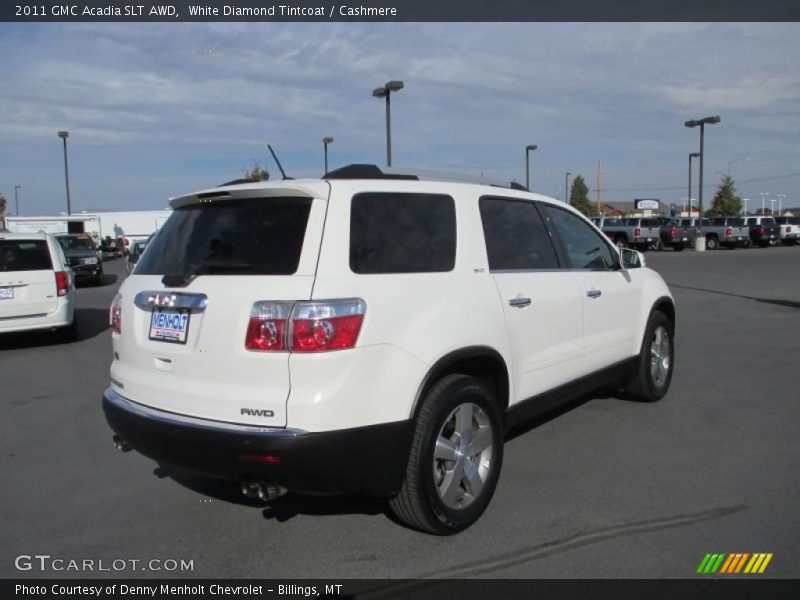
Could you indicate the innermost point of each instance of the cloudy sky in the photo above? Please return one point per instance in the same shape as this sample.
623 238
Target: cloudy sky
156 110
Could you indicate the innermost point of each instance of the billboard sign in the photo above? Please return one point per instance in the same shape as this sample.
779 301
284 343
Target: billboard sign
647 204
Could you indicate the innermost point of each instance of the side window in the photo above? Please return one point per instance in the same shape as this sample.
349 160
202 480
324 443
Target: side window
402 233
585 248
516 237
751 221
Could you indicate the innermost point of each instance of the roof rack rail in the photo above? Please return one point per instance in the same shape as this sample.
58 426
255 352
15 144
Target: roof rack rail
365 171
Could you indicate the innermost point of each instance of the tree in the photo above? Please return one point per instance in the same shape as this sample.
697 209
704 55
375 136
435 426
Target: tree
255 172
579 197
725 203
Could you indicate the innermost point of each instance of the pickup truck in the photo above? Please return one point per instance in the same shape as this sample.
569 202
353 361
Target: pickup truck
638 232
724 232
677 233
763 231
790 229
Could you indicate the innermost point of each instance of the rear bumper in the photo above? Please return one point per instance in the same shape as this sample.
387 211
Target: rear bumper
61 317
364 460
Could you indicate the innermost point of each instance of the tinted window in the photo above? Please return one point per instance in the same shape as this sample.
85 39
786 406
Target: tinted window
402 233
649 222
718 221
735 221
516 237
585 248
77 242
24 255
259 236
751 221
768 221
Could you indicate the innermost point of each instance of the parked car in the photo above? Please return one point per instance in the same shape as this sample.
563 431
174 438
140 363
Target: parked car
677 233
725 232
763 231
134 253
373 333
633 232
83 256
789 229
37 287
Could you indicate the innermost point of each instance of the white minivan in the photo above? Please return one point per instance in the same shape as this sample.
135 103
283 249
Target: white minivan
37 288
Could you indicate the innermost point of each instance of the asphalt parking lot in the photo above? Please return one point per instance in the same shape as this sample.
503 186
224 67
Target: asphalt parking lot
606 488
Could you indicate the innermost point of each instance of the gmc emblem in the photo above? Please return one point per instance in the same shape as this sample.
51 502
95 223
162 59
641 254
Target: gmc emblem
257 412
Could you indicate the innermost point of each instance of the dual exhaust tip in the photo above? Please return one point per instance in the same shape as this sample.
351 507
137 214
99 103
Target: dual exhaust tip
121 444
263 490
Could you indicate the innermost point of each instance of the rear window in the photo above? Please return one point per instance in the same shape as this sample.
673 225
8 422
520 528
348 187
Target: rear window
768 221
735 221
24 255
254 236
402 233
650 223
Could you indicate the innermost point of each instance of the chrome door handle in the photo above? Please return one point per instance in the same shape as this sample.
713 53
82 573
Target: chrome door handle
519 302
594 293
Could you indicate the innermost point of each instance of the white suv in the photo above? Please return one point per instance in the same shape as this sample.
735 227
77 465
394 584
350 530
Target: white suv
373 333
37 288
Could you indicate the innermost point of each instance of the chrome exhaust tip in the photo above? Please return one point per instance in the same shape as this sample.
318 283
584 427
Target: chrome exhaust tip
263 490
121 444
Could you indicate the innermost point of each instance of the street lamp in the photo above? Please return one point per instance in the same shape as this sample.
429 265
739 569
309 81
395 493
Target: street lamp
691 156
386 92
325 142
772 206
745 200
528 150
16 197
763 195
64 135
780 202
701 243
566 187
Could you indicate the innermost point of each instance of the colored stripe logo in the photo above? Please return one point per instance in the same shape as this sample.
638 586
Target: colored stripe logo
734 563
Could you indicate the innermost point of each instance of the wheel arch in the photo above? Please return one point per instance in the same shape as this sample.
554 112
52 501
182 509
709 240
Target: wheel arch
482 362
666 305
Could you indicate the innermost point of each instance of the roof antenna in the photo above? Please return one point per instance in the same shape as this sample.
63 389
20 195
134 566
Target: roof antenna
283 173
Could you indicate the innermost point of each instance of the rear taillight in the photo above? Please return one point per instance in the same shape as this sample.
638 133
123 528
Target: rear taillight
673 232
126 241
637 232
62 283
729 231
305 326
762 230
115 314
266 330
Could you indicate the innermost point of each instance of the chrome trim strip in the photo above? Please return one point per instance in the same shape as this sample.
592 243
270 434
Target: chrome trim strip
196 422
167 299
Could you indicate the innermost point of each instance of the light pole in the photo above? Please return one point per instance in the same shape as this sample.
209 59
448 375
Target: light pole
701 238
772 206
763 195
386 92
16 197
566 187
528 150
691 156
745 200
325 142
780 202
64 135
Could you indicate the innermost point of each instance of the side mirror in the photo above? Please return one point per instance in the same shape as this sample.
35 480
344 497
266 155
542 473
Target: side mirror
631 259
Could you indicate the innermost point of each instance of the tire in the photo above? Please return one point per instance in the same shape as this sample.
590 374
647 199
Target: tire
678 247
712 243
426 502
653 375
100 278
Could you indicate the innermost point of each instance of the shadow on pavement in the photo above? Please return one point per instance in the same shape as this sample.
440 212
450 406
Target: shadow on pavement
91 323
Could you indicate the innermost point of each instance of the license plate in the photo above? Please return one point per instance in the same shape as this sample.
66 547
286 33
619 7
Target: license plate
649 239
684 239
6 293
169 325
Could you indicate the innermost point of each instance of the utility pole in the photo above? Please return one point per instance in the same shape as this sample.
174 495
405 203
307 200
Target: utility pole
599 185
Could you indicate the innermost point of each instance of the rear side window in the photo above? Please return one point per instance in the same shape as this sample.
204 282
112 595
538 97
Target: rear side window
516 236
254 236
402 233
25 255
